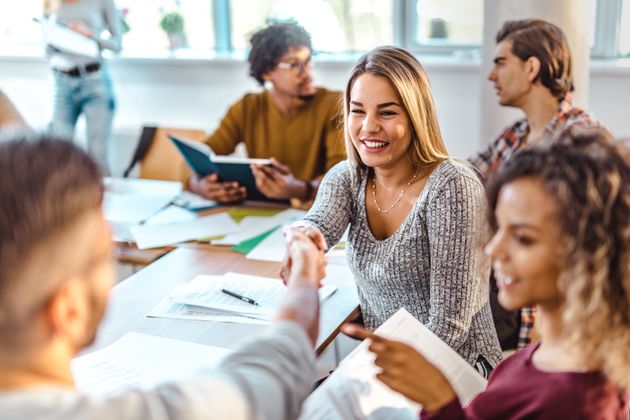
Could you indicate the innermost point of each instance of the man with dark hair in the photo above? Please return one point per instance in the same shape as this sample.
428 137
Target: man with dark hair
532 72
292 121
55 276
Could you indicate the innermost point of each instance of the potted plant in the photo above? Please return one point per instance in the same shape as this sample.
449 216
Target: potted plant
173 24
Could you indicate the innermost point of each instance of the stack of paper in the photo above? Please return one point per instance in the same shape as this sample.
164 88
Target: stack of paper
274 248
203 298
141 211
153 236
353 392
141 361
252 226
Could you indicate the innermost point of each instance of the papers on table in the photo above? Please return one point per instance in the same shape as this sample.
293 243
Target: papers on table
141 361
252 226
67 40
202 298
153 236
353 392
193 201
129 201
274 248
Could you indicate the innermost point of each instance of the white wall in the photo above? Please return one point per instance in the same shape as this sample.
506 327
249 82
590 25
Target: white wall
196 94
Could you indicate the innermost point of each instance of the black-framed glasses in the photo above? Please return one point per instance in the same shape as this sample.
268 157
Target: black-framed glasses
297 67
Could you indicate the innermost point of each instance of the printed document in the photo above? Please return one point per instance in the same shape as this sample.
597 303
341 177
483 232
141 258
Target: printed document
205 291
353 392
142 361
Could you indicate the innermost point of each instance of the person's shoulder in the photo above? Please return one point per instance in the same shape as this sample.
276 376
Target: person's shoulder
454 170
328 98
582 118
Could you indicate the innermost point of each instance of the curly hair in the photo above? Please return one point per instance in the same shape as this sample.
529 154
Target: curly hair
271 43
546 42
589 178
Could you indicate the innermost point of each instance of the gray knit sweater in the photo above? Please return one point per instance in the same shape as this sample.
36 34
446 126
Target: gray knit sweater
433 265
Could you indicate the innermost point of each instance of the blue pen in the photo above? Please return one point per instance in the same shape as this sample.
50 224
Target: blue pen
240 297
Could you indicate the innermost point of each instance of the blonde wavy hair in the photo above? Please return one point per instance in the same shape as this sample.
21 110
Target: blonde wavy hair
589 178
410 81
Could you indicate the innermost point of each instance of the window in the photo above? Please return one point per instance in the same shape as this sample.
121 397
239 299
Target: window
450 24
189 22
423 26
334 25
624 29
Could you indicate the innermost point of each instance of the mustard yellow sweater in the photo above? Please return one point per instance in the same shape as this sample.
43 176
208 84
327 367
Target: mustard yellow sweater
309 142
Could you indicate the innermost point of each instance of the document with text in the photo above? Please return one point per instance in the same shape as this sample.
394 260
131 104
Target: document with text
353 392
208 291
142 361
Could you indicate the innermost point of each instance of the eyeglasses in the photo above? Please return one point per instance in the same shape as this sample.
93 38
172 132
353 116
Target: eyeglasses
296 67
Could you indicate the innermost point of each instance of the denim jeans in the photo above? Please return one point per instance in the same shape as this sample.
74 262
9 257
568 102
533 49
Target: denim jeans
90 94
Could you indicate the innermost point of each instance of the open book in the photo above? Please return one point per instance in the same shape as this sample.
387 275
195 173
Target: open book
353 392
203 161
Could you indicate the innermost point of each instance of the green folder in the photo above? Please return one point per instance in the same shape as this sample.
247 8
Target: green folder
246 247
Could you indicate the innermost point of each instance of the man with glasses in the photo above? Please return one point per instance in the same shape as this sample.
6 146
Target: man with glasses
291 121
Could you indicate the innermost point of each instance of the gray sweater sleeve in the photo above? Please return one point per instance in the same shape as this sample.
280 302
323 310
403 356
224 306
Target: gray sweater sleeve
333 207
459 268
113 23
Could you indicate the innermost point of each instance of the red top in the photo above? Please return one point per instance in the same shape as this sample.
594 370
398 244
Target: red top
517 389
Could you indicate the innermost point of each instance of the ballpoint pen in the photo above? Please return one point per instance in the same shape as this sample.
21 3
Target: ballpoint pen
240 297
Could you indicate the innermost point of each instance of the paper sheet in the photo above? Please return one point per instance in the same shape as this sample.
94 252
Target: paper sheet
193 201
130 209
142 361
154 236
272 248
205 291
143 187
168 308
253 226
129 201
170 214
353 392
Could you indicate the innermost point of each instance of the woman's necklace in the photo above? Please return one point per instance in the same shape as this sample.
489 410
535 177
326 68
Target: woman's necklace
380 210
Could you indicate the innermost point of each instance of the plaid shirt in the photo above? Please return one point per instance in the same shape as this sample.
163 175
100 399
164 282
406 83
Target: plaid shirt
513 137
502 147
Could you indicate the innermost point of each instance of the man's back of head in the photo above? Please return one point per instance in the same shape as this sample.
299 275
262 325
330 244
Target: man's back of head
52 234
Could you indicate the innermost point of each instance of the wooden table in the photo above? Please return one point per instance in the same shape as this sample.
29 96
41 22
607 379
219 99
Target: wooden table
133 298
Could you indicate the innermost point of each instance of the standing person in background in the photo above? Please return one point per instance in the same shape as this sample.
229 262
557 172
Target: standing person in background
83 84
532 72
293 121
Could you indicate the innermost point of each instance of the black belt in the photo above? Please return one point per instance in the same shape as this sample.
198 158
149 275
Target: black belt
79 70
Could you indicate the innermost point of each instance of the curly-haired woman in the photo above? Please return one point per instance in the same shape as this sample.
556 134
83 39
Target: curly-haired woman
562 244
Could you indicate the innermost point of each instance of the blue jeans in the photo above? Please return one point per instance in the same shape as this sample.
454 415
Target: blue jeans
90 94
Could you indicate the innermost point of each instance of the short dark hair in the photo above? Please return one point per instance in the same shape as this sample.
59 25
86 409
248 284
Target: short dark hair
46 185
545 41
271 43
